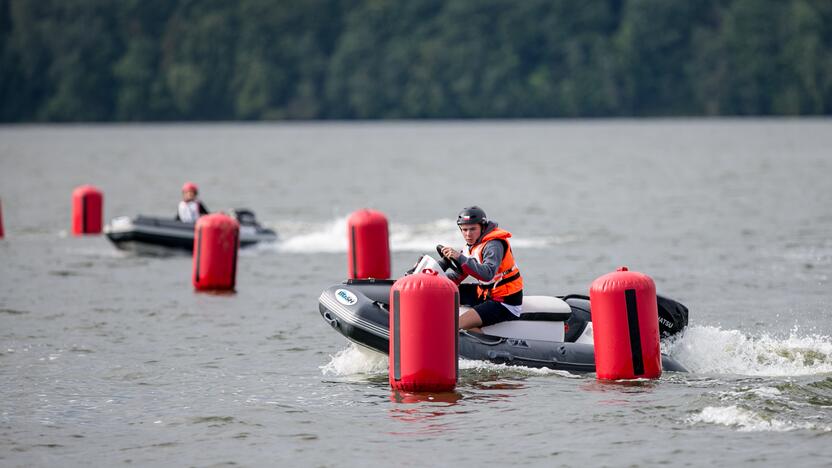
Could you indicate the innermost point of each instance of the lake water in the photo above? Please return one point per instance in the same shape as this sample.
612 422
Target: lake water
108 358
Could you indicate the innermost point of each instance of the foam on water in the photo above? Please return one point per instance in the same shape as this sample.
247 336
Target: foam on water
746 420
702 349
355 360
358 360
331 237
707 349
480 366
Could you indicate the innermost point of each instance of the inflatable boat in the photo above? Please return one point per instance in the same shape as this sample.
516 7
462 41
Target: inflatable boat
553 331
160 236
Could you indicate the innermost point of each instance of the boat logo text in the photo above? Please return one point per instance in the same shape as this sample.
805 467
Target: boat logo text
345 297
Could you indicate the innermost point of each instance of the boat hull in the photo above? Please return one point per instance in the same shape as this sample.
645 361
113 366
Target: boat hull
366 320
153 235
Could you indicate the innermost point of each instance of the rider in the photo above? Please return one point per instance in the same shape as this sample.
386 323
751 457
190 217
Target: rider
190 209
498 296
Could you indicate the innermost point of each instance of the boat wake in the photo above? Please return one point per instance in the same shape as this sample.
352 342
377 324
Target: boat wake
701 349
745 383
712 350
358 361
748 420
331 237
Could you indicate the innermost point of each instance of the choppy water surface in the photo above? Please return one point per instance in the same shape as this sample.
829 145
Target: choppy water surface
109 359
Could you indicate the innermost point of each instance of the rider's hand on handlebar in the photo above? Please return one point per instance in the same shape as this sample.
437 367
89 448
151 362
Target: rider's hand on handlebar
450 253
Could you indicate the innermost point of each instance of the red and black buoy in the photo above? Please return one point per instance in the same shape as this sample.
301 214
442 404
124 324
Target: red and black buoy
625 324
216 241
87 210
424 323
368 247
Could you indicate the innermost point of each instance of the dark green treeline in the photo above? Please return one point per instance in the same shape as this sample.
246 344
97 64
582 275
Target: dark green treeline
128 60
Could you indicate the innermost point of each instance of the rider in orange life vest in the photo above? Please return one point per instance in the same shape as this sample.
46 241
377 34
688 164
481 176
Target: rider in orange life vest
190 209
498 295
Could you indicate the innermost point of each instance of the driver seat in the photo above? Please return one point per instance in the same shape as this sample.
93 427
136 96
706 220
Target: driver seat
543 318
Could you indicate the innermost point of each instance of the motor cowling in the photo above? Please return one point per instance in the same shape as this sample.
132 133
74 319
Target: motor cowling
625 325
216 241
87 210
368 247
424 324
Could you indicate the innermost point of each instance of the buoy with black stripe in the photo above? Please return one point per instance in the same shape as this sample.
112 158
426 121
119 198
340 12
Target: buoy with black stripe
625 326
216 241
424 323
87 210
368 246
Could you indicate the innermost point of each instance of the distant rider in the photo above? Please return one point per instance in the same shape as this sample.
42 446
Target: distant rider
498 296
190 209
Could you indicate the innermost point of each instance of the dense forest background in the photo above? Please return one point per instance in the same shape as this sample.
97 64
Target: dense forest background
140 60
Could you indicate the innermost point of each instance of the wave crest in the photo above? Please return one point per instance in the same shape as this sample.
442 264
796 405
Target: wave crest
708 349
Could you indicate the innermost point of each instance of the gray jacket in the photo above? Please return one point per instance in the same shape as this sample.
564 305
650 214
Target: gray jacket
492 255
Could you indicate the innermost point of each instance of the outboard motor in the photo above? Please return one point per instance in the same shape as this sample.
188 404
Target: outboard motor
249 225
244 216
673 316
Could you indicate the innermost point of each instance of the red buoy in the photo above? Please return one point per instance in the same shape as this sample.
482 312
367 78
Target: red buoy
424 331
87 210
1 220
625 324
368 249
216 240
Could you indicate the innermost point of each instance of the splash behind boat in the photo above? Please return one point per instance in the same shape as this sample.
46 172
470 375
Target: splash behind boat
553 331
163 236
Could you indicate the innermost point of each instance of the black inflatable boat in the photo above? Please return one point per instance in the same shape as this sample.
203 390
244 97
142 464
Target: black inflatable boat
553 332
155 235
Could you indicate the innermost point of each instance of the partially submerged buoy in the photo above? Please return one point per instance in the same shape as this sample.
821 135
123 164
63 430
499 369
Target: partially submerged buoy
368 246
216 241
424 323
625 323
87 210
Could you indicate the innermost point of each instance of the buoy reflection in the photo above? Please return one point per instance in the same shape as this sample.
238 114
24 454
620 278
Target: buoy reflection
425 410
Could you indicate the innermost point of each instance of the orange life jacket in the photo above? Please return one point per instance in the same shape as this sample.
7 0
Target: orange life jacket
507 280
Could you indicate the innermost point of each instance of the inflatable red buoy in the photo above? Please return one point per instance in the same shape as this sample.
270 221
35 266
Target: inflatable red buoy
87 210
625 324
216 240
368 249
424 323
